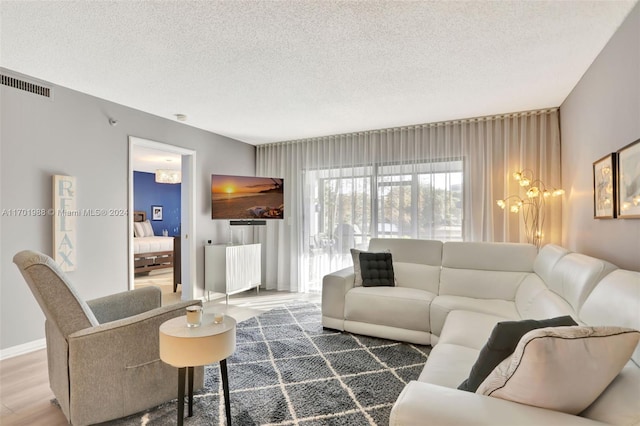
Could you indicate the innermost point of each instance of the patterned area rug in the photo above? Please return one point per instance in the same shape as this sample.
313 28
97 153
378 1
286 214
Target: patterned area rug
288 370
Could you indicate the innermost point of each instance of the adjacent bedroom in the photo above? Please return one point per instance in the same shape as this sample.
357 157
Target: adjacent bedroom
156 217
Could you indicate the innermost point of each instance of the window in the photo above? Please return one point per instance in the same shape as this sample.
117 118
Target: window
422 200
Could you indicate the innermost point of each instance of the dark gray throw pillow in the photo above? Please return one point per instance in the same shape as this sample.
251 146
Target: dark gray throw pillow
376 269
502 342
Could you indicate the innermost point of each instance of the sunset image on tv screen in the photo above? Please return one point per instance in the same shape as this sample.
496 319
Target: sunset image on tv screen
246 197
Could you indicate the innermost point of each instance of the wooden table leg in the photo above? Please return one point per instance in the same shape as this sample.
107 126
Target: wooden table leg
190 391
181 377
225 388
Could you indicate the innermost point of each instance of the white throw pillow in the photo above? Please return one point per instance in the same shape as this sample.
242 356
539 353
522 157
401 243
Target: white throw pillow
355 255
148 229
562 368
138 229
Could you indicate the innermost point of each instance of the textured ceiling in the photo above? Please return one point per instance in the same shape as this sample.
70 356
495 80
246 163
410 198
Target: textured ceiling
149 160
265 71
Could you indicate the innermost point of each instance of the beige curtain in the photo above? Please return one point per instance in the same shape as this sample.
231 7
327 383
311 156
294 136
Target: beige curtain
433 181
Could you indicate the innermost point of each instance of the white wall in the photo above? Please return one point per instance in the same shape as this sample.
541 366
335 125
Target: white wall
600 116
71 135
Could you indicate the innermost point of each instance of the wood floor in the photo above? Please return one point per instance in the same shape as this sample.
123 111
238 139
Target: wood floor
25 396
162 278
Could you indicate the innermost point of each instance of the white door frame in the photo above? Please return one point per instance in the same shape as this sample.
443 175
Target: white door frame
188 211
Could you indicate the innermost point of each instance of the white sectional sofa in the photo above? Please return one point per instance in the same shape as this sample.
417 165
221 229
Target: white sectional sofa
452 294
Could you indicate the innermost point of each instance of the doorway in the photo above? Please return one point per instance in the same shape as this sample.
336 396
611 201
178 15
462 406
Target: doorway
171 221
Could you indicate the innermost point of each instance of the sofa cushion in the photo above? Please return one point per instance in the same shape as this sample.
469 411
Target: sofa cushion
414 275
615 301
376 269
562 368
534 300
481 284
546 260
416 263
485 270
442 305
429 404
575 275
448 365
501 343
468 328
508 257
421 252
389 306
619 404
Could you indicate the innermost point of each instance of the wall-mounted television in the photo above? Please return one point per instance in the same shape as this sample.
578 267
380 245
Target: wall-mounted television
246 197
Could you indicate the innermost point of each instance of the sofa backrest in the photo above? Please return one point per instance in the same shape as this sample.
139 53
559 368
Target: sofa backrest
574 276
485 270
416 263
546 260
534 300
615 301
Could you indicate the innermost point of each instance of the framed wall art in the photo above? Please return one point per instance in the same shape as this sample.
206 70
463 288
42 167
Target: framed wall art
156 212
629 181
604 187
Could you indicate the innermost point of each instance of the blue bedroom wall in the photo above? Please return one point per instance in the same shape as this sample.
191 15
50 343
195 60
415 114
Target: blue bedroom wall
147 193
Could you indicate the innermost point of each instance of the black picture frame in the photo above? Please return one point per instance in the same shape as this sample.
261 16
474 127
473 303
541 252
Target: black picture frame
156 212
629 181
604 187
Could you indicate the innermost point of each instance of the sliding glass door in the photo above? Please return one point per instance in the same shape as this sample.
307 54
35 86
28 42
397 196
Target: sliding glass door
349 206
338 219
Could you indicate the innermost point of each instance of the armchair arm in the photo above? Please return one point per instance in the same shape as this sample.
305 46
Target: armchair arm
143 320
439 405
334 289
125 304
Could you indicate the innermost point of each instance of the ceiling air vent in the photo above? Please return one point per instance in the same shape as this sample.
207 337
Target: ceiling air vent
25 85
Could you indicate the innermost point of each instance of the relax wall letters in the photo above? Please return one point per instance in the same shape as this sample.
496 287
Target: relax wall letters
64 222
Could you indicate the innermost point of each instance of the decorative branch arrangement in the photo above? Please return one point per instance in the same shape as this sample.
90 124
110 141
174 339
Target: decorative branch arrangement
531 205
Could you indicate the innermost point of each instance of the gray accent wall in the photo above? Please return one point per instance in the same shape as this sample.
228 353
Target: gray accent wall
70 135
600 116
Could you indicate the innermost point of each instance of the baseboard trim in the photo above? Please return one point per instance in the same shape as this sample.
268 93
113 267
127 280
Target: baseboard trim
23 349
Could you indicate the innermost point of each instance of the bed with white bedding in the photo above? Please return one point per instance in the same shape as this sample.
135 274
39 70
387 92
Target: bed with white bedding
152 244
152 252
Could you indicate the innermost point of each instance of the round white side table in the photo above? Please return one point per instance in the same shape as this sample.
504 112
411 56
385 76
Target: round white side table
187 347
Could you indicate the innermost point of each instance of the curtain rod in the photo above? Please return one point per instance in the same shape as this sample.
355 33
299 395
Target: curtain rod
422 126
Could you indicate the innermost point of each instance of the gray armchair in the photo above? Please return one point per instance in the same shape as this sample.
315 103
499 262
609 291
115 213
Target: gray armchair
103 354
